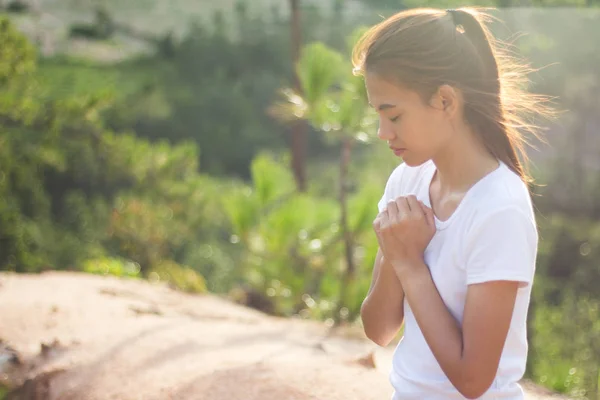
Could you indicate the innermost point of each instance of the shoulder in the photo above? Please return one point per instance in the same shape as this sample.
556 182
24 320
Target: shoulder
502 201
503 189
501 240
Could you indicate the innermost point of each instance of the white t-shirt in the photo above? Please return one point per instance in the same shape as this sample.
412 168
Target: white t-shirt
491 235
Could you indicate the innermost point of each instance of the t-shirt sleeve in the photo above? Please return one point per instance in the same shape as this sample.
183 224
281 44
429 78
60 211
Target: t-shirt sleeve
503 246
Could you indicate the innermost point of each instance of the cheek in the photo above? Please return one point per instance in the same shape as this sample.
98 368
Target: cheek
431 125
416 128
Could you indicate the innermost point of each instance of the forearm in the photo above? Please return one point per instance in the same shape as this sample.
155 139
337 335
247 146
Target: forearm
382 311
442 332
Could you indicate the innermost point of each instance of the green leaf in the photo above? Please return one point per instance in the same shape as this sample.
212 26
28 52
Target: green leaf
319 70
271 179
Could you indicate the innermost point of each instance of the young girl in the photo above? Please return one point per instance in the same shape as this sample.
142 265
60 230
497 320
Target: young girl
456 228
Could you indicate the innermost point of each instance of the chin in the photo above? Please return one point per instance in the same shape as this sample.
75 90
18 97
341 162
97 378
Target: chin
414 162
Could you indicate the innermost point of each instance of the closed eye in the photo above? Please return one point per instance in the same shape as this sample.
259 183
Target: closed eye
395 118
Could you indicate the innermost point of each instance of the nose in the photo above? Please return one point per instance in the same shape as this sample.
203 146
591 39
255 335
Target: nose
385 130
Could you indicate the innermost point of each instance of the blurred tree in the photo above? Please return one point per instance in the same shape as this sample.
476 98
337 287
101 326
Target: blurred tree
334 101
572 74
213 90
564 351
217 83
62 175
16 6
23 151
101 29
287 238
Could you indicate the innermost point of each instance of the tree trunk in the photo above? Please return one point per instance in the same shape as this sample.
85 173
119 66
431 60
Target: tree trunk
299 128
350 271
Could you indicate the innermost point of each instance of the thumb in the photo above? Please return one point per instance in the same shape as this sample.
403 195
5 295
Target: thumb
428 214
377 224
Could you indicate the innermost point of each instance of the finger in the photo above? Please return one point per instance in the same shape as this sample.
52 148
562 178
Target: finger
415 206
392 211
403 208
428 214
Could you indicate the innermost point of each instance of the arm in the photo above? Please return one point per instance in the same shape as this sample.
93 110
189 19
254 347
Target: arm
469 354
382 311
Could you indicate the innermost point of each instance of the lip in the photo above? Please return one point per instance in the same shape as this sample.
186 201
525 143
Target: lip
398 151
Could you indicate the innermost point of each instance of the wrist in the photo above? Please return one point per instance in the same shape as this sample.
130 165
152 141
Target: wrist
388 275
410 270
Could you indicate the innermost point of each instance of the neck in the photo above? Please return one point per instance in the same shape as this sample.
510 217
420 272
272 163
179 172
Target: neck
463 162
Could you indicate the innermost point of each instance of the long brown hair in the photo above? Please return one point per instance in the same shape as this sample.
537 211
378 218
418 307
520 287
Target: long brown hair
425 48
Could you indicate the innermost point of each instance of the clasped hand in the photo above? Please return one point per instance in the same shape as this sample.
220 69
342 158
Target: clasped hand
404 229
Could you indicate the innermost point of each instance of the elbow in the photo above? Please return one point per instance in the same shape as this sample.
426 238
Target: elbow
377 338
474 388
374 332
472 394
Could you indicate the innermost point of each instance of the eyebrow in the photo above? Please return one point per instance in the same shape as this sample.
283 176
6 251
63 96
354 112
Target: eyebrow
384 106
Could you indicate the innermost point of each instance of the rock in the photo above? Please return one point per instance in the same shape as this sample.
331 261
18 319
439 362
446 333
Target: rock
8 357
37 388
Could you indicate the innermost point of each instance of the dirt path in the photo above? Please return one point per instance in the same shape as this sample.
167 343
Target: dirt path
84 337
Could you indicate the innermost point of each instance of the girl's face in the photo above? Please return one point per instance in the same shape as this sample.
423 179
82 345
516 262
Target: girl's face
413 130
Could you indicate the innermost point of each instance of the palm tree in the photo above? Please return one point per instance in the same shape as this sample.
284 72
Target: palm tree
334 101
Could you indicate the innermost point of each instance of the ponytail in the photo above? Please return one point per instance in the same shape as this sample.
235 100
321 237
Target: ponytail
490 121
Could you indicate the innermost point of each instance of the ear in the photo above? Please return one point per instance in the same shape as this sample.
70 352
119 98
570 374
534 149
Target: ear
446 99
